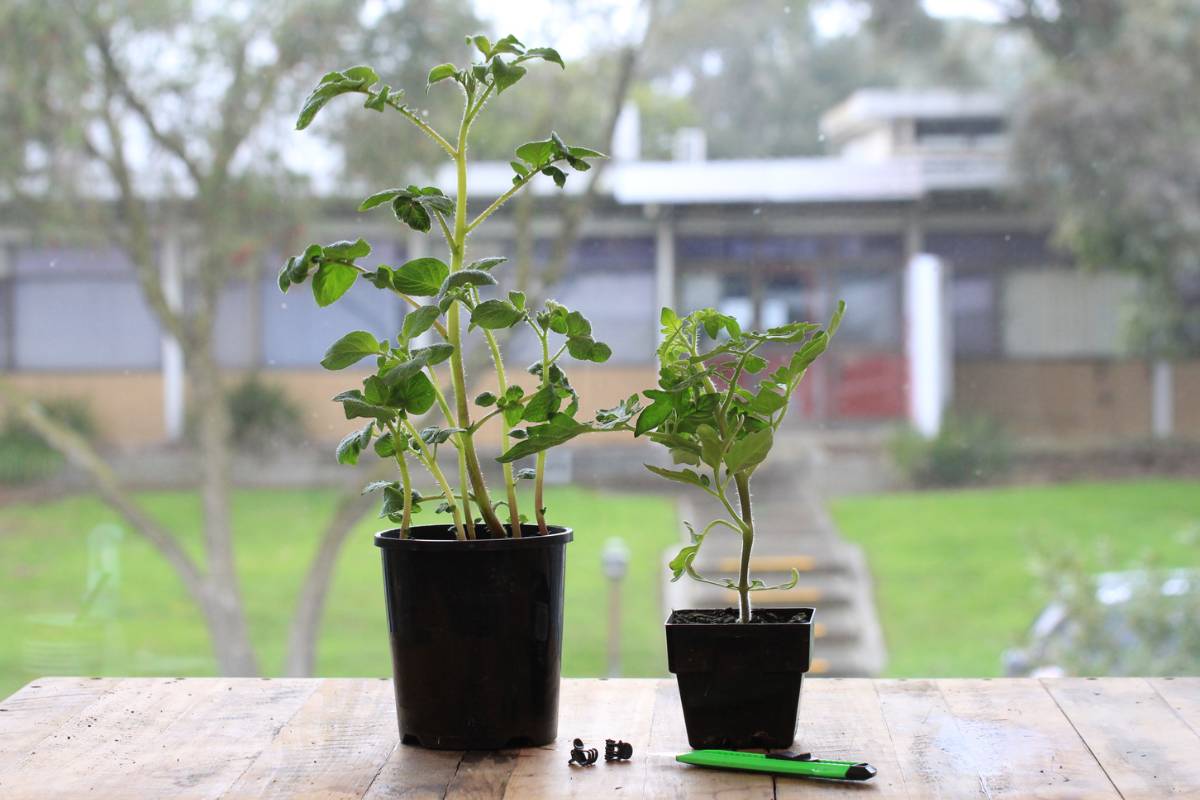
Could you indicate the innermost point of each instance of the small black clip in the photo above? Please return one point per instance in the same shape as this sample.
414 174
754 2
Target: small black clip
617 751
582 757
790 756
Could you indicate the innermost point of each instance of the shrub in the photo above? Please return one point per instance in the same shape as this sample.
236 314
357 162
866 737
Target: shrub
25 457
260 414
966 450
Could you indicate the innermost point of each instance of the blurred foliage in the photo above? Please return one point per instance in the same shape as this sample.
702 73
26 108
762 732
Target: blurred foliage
967 449
1106 142
1149 624
24 455
261 415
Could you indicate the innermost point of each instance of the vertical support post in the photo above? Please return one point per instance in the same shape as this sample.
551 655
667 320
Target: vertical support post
1162 399
927 342
615 560
664 260
171 269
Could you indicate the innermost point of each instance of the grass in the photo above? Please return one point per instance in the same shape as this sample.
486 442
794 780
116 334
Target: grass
156 630
954 570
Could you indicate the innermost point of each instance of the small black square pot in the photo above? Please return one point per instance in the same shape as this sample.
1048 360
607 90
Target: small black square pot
476 633
740 684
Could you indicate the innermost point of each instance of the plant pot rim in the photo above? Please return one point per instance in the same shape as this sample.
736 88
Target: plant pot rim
390 540
742 626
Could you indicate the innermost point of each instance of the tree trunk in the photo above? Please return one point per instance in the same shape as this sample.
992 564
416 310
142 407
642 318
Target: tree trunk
301 655
223 607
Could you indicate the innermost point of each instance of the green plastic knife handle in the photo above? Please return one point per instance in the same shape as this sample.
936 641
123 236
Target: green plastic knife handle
779 764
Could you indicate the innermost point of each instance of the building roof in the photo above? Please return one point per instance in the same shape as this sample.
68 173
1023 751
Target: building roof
743 181
867 108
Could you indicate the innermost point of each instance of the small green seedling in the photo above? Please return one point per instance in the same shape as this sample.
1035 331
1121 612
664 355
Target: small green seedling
718 431
404 381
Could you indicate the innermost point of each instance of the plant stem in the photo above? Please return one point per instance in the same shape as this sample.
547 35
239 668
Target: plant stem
454 331
501 200
540 469
510 485
743 487
405 484
431 464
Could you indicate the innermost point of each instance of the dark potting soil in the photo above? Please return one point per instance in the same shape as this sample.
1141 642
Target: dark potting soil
727 616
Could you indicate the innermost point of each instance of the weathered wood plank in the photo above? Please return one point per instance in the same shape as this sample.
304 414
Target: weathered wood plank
114 748
1142 743
1183 695
414 773
666 777
840 719
592 711
928 743
332 747
1022 744
39 709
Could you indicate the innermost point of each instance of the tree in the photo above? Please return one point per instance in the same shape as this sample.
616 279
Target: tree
156 105
1107 139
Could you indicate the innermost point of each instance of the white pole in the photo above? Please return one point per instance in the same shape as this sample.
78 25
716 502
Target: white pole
1162 399
664 262
174 408
927 331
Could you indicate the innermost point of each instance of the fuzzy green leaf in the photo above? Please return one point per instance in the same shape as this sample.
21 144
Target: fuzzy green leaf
496 314
350 349
421 277
333 279
418 321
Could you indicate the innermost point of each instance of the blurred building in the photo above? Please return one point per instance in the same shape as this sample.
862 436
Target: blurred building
913 177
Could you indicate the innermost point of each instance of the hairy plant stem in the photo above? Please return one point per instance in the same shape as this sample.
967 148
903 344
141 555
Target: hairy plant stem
405 486
743 487
539 477
430 462
510 485
454 331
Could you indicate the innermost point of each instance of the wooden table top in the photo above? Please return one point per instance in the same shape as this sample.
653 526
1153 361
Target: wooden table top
336 738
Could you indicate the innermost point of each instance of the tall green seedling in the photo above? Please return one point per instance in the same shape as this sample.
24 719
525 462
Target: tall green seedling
717 430
405 382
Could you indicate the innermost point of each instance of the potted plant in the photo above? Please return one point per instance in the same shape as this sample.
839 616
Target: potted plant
475 604
739 670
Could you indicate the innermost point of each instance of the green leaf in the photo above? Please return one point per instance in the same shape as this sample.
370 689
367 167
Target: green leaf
517 299
385 447
350 349
485 399
495 314
682 562
506 74
412 213
284 281
688 476
435 353
711 445
375 486
421 277
768 400
466 277
440 73
350 447
486 263
537 153
362 74
483 44
585 348
415 395
585 152
577 324
560 177
509 44
379 198
333 279
355 405
654 415
347 251
561 428
541 405
435 435
418 321
749 451
355 79
546 54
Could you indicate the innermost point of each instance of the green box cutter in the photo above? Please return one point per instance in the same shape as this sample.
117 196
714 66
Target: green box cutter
802 764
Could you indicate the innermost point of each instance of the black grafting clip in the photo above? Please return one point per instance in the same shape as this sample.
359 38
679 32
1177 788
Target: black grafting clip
583 757
617 751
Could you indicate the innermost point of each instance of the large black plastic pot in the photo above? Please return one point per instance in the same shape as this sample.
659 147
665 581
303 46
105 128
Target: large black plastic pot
476 631
740 684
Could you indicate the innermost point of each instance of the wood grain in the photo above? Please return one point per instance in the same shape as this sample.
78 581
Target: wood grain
143 739
1144 746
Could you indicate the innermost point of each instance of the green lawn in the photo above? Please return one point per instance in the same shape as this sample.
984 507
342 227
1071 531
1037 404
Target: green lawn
43 563
953 569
